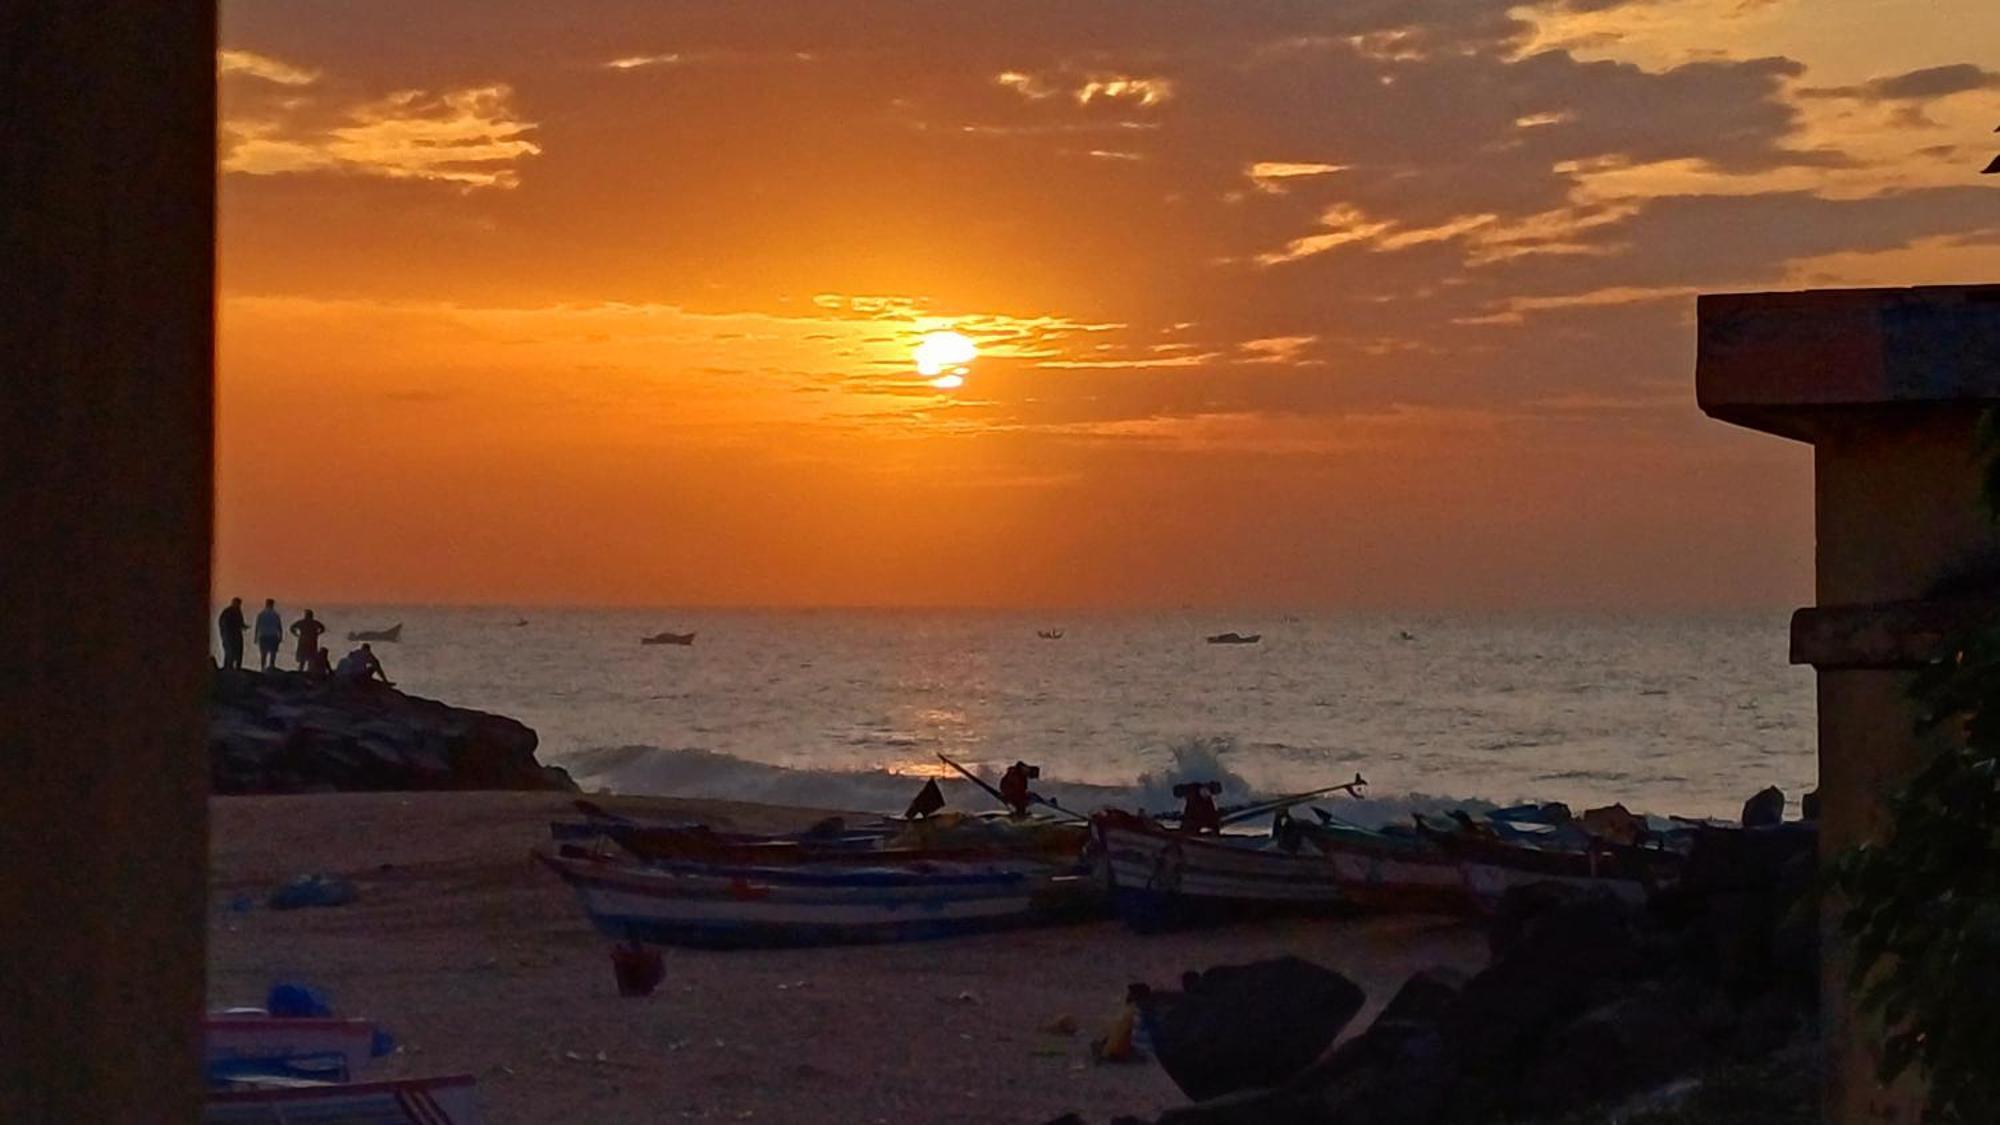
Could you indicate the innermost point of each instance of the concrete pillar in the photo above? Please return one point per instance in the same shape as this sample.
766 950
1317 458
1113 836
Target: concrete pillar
1887 385
107 169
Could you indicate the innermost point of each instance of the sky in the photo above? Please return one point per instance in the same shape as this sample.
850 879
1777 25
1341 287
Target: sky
1365 304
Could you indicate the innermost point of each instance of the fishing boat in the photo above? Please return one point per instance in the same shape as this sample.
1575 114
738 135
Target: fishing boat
940 839
1159 878
255 1041
1235 638
1049 634
668 639
270 1100
1393 871
1492 866
393 634
721 906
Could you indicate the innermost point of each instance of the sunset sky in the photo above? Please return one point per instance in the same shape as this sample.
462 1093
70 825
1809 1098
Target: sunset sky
1345 303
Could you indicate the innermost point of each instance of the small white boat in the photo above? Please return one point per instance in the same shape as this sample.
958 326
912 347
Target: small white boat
393 634
447 1100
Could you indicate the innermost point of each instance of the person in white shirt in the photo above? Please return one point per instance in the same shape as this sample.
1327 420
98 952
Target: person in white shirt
270 636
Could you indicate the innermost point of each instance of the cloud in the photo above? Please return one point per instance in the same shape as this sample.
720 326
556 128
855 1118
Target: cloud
1916 85
254 65
634 62
1088 88
470 137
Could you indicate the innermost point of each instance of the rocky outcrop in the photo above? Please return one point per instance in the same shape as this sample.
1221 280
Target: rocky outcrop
1588 1001
279 732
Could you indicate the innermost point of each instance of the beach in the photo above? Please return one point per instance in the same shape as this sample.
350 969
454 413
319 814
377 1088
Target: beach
478 960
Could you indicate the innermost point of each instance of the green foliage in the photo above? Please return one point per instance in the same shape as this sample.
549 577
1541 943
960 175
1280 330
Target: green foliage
1924 904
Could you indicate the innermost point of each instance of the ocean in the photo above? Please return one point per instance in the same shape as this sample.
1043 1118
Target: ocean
1683 715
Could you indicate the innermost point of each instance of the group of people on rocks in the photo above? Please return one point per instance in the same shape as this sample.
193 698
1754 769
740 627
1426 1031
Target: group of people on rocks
269 630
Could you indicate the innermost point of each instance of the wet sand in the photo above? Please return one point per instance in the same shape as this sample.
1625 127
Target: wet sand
479 960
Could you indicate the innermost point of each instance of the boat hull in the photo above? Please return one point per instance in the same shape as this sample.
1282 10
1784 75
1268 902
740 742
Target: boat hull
712 907
1160 879
405 1101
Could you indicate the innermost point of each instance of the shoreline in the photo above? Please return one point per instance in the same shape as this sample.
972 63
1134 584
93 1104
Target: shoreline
480 961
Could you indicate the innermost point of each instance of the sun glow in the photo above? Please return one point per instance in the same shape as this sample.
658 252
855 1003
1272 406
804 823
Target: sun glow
941 357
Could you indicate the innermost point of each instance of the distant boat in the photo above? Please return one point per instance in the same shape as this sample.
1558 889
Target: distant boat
1235 639
1049 634
668 639
393 634
1406 635
518 624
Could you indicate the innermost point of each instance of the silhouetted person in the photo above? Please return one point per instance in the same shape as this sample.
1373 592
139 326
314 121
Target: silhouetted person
360 666
307 629
270 636
1198 811
232 627
928 800
320 666
1014 787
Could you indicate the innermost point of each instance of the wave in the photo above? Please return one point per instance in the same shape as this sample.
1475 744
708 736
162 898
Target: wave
693 772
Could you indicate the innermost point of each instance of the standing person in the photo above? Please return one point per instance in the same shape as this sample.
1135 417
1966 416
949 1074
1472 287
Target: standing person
232 627
270 635
307 629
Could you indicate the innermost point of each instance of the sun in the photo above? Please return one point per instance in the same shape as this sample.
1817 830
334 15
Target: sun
941 357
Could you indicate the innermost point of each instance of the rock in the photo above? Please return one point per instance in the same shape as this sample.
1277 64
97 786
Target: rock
1766 808
1632 1044
1244 1026
283 732
1398 1072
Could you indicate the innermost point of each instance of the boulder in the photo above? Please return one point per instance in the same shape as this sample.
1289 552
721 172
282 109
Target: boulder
1635 1043
1235 1027
1765 808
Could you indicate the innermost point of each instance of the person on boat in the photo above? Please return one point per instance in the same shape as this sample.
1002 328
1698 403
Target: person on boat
1014 787
1198 811
270 636
928 800
308 630
320 665
231 625
360 666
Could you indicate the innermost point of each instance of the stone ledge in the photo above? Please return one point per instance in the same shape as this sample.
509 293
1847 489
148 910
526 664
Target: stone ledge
1885 635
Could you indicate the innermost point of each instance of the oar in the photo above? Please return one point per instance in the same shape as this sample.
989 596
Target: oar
995 793
1275 803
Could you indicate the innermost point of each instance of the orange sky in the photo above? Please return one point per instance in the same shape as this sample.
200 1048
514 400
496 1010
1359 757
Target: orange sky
1288 304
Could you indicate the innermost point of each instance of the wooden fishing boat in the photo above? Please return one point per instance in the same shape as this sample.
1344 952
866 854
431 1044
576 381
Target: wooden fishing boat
1492 866
252 1040
1159 878
1235 638
720 906
447 1100
668 639
1038 842
393 634
1390 871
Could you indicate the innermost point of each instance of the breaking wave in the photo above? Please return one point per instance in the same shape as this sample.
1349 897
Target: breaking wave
692 772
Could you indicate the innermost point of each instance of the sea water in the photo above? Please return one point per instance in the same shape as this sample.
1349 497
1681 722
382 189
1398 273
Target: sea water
1680 715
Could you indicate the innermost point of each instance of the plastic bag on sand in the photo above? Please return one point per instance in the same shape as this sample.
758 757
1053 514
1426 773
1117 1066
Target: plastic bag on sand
313 890
289 1000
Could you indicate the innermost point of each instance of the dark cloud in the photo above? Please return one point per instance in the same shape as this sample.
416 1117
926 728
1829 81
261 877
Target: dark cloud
1927 84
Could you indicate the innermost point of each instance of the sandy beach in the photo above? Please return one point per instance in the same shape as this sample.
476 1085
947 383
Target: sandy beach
479 961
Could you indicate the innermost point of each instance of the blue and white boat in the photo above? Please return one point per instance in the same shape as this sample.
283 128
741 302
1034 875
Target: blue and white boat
722 906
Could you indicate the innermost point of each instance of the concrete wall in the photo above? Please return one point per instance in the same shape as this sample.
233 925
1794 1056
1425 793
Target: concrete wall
1898 515
107 169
